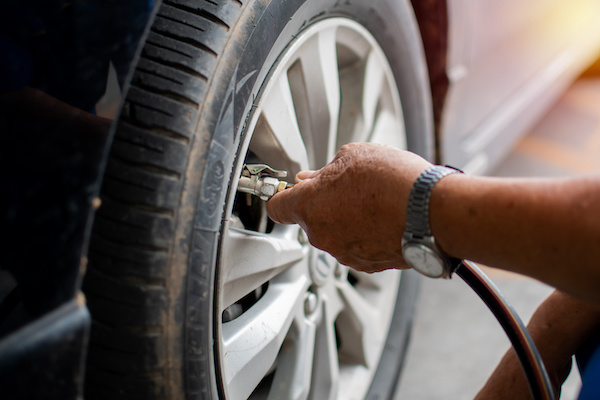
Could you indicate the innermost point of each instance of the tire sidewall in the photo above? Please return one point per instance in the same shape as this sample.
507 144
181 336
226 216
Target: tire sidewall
260 36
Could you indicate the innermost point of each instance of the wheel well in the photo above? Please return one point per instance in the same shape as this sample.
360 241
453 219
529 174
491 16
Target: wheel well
432 17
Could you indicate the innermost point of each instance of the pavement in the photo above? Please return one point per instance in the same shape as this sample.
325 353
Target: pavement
456 341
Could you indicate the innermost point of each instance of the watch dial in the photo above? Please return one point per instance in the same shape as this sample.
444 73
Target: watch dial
423 260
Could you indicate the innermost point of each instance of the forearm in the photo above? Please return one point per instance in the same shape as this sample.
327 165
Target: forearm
547 229
559 327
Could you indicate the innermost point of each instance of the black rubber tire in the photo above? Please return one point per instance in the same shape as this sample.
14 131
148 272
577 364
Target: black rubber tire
150 280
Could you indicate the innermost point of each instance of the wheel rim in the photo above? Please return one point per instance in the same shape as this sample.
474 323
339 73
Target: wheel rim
292 322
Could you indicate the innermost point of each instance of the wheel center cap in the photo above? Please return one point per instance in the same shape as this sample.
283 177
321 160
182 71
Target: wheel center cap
321 267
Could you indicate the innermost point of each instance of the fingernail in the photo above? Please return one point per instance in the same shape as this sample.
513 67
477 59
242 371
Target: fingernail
304 175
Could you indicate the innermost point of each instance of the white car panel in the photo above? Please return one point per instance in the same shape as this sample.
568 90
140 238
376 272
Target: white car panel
508 61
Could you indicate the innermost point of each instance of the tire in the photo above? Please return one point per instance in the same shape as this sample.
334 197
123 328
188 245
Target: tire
193 292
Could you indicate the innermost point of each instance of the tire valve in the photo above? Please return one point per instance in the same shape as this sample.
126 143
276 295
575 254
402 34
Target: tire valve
262 181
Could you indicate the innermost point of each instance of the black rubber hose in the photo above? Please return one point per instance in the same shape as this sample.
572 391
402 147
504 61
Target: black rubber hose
531 361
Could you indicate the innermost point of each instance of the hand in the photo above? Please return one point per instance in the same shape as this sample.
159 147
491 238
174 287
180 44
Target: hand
354 208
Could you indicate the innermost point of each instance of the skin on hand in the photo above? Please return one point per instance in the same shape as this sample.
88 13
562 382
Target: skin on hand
354 207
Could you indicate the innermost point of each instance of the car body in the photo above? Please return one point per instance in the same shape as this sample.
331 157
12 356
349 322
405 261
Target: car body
504 71
491 70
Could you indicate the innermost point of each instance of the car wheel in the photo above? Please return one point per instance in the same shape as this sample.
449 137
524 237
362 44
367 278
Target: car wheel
194 292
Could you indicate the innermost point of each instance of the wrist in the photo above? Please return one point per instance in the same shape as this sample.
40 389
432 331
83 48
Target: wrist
419 246
444 206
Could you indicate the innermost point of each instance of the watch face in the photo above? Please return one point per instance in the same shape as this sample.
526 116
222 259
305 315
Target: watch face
423 260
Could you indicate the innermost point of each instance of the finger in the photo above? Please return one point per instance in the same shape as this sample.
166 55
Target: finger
303 175
280 207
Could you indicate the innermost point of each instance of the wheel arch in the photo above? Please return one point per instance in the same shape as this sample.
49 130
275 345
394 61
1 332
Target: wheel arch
432 19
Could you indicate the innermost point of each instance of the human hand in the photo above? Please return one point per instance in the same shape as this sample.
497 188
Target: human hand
354 208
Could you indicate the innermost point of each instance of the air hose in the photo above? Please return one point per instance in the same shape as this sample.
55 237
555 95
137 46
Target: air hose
531 361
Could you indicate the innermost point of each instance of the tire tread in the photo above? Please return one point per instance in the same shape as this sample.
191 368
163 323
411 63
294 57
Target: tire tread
132 237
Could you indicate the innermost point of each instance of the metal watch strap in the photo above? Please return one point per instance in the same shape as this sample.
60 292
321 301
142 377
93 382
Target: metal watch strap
417 213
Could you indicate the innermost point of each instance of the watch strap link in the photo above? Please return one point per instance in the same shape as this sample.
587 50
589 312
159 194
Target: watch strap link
417 215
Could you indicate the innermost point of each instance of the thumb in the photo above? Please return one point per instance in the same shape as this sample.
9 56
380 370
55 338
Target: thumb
303 175
280 206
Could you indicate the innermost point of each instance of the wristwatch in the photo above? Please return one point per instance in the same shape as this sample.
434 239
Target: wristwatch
419 248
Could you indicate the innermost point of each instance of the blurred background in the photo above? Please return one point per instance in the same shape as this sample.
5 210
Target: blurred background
456 341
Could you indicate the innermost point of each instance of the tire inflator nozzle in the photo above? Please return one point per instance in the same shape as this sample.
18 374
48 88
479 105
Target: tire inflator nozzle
262 181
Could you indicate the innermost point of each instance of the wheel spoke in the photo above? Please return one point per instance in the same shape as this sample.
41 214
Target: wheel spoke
359 328
326 370
279 115
388 130
251 259
295 362
378 282
321 76
252 341
373 83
